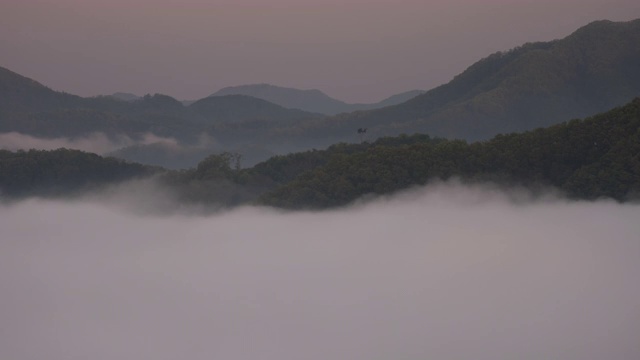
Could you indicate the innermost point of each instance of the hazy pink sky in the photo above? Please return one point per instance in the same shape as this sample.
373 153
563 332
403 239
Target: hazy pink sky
354 50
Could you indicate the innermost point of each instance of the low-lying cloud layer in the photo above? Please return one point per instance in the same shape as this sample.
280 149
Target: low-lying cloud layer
421 276
98 143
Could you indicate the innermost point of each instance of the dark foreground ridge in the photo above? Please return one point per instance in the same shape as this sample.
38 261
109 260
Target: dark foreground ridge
61 172
598 157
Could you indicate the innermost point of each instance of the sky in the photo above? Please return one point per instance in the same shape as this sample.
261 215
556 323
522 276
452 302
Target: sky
353 50
444 272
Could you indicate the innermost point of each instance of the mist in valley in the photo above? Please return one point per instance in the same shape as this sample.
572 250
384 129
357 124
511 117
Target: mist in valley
148 148
98 143
443 272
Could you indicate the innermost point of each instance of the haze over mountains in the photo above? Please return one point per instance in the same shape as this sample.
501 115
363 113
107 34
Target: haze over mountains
310 100
314 101
535 85
581 159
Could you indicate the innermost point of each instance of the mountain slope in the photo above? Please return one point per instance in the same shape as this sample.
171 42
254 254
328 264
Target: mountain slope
31 108
238 108
538 84
61 172
307 100
19 93
587 159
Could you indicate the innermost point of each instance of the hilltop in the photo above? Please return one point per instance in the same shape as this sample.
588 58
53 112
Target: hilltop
537 84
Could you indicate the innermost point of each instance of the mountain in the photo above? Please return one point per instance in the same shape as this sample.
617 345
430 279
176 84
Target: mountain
20 94
314 101
534 85
308 100
239 108
61 172
537 84
31 108
586 159
236 123
593 158
185 134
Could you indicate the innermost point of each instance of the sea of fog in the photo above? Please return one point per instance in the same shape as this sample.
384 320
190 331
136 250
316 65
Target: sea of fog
446 272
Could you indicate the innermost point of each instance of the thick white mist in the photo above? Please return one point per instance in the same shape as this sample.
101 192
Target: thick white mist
447 273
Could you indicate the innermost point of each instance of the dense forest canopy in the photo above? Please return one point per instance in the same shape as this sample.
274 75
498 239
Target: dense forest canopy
587 159
61 172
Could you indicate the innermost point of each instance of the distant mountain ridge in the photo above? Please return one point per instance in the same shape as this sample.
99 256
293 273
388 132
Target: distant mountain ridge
236 108
535 85
20 93
310 100
185 134
589 159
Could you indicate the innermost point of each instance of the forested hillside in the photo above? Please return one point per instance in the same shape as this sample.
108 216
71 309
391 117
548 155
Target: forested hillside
310 100
61 172
586 159
534 85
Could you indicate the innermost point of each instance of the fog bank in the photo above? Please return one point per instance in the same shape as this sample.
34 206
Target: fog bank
443 273
98 143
